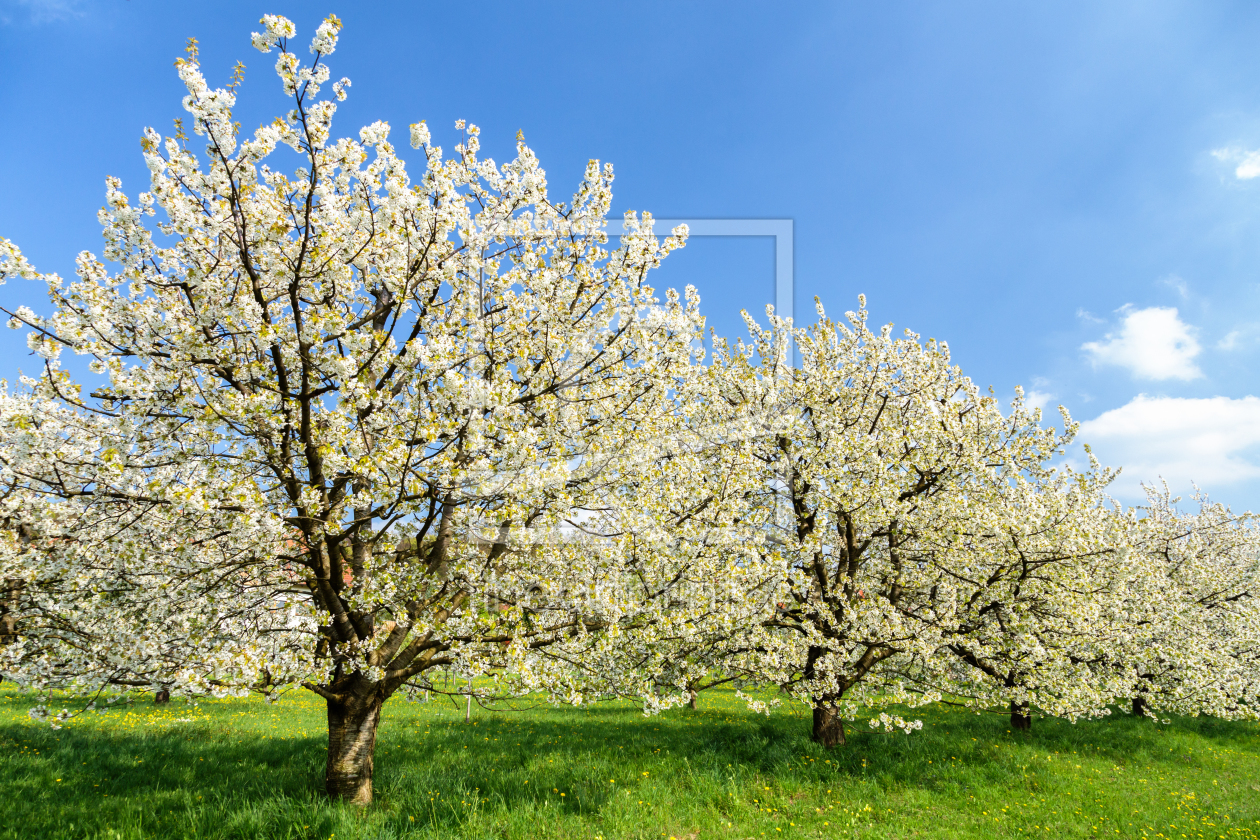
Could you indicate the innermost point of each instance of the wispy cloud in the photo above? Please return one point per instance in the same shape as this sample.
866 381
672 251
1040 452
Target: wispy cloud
1178 285
1229 341
40 11
1239 338
1247 163
1214 441
1152 343
1088 317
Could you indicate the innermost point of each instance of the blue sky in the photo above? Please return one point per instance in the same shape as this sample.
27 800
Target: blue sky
1067 193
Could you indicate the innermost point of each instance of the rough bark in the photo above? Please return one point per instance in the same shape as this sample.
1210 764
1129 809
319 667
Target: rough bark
352 728
1021 720
10 594
8 626
828 727
1139 705
691 700
162 696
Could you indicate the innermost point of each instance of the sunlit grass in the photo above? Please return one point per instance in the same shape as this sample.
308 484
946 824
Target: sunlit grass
246 769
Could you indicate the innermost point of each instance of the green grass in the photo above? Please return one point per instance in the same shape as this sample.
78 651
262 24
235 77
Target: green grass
245 769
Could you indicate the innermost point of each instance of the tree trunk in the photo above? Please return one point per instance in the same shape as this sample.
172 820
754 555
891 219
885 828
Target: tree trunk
828 727
691 700
1020 718
162 696
1139 705
351 745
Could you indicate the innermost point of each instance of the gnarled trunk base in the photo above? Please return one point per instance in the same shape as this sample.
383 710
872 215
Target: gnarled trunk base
163 695
828 727
351 747
1021 720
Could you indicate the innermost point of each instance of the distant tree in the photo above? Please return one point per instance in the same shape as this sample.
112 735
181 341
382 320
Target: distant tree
1194 645
1044 629
1150 607
903 501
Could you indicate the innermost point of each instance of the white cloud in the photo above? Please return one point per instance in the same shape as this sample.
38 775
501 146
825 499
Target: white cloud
1230 340
1153 343
1214 441
1248 162
1038 399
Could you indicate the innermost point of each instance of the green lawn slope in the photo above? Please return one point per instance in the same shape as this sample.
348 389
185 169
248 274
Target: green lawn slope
244 769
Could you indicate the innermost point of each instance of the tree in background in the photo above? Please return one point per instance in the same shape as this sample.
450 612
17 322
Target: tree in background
900 539
1194 646
1044 629
691 517
901 496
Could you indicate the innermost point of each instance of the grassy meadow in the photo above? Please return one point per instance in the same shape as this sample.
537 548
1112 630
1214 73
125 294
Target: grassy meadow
245 769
